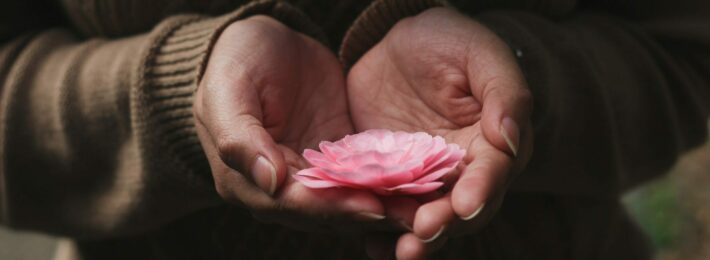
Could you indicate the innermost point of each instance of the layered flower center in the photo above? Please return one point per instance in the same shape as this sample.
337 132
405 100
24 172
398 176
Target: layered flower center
383 161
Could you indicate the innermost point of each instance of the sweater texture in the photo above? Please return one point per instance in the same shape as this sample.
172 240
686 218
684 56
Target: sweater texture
97 138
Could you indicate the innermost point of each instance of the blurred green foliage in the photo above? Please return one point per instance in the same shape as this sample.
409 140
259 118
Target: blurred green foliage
656 209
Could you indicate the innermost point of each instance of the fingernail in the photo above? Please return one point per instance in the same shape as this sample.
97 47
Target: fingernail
510 132
435 236
263 166
405 225
475 212
369 216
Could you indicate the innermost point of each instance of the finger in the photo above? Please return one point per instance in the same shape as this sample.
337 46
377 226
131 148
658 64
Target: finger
334 204
233 118
433 219
496 80
409 246
485 177
232 186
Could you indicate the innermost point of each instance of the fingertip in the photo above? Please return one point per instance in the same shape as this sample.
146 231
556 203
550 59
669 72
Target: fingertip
269 170
502 132
264 174
506 109
432 219
409 247
436 235
253 152
469 215
470 193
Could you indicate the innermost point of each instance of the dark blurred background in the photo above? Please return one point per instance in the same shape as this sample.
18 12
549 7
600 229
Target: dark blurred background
674 211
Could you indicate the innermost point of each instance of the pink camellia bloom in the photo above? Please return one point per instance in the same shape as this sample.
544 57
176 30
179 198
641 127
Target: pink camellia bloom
383 161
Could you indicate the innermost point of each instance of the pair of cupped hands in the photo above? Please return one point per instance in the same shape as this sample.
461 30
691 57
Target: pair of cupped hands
269 92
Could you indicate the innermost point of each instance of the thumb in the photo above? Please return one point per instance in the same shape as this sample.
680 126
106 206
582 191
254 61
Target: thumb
497 81
506 108
250 149
232 115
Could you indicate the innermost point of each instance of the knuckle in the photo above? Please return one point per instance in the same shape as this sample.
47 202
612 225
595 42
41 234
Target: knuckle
491 87
525 98
229 151
450 76
226 148
226 193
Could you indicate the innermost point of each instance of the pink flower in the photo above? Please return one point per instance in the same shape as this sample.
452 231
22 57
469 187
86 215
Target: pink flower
383 161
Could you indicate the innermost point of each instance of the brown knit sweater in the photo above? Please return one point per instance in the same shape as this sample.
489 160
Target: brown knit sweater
97 140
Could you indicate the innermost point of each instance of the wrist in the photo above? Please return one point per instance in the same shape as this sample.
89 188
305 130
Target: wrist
375 22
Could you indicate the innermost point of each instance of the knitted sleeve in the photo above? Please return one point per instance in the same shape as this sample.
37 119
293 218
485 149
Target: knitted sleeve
97 136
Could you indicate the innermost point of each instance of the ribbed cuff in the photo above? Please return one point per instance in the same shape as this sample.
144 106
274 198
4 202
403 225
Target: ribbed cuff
374 23
9 52
172 68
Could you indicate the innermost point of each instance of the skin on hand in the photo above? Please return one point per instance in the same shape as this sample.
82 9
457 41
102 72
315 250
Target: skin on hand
268 93
443 73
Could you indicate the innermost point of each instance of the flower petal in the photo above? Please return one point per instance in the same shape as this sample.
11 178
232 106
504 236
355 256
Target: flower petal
451 153
371 157
383 161
386 143
369 175
316 173
402 138
364 176
318 159
427 151
332 151
358 159
316 183
400 174
411 188
360 142
437 173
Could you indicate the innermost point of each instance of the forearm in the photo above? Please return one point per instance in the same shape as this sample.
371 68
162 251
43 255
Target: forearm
75 156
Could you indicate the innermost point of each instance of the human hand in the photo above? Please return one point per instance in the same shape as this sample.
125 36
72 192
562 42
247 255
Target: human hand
443 73
269 92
